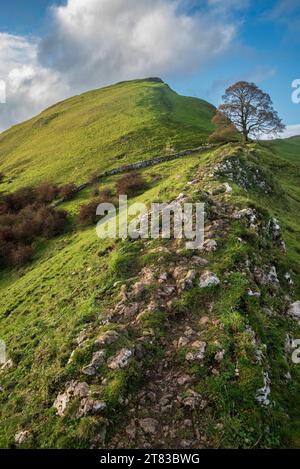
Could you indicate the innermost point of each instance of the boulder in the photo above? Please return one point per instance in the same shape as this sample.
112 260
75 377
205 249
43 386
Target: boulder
209 279
294 310
121 360
81 337
22 436
107 338
7 365
148 425
210 245
199 354
73 389
90 407
194 400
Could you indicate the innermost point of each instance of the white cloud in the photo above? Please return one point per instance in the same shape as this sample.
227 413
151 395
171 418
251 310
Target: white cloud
96 42
291 131
30 87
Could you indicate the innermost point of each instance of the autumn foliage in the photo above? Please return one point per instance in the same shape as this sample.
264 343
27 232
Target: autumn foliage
24 218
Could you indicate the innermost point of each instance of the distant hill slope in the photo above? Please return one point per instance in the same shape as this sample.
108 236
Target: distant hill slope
288 148
101 129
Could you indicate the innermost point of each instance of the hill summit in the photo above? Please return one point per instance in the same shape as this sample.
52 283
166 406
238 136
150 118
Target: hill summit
102 129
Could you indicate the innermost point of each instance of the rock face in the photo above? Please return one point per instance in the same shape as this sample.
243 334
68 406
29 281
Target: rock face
244 174
90 407
148 425
22 436
7 365
210 245
198 355
209 279
73 389
121 360
294 310
107 338
96 362
263 393
194 400
276 233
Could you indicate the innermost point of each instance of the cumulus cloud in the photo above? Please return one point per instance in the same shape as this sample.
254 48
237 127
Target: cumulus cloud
117 40
92 43
29 87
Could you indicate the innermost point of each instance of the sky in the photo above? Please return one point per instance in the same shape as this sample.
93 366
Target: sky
54 49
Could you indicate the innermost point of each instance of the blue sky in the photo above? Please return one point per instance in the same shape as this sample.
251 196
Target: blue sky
44 52
267 51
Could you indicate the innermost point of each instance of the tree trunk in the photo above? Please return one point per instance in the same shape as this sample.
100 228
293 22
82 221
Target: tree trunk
246 139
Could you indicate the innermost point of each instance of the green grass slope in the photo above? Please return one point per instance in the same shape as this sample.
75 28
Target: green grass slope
101 129
288 149
74 283
75 280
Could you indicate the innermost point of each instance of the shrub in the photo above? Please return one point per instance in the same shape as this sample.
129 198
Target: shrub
225 135
131 184
225 131
25 231
13 203
94 178
67 191
1 177
87 214
51 222
107 194
23 219
20 255
46 193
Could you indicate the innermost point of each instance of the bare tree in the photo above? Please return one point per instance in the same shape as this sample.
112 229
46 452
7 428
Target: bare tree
250 110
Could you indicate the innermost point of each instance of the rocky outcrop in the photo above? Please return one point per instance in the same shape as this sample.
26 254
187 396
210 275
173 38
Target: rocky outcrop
243 173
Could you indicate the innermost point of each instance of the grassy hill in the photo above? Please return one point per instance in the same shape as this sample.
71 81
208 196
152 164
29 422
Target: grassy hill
100 130
54 310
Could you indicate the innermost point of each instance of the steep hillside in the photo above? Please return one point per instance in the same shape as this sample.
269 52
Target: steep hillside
145 343
102 129
288 148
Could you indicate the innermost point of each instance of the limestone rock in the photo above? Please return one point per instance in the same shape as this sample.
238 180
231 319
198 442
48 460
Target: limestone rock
263 393
81 337
90 407
89 370
199 354
73 389
7 365
219 356
209 279
121 360
148 425
294 310
272 276
227 187
204 320
194 400
107 338
22 436
189 279
210 245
